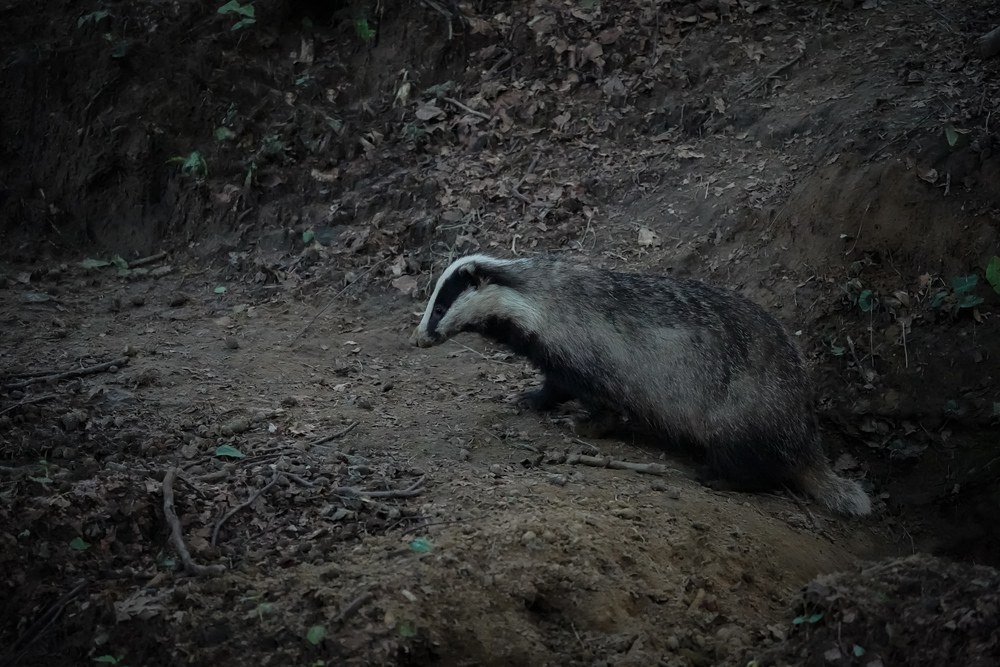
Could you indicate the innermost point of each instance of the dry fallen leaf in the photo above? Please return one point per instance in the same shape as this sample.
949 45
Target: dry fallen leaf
647 237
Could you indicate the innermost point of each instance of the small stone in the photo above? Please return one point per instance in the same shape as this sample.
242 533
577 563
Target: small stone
557 479
365 403
528 538
496 469
130 351
232 343
177 299
464 455
73 420
289 401
138 300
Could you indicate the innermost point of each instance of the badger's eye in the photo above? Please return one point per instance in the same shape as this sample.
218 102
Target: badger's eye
439 310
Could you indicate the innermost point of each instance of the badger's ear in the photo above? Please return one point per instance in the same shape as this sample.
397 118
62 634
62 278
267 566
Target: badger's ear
484 274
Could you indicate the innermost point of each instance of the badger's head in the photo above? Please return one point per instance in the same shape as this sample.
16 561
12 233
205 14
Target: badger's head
476 293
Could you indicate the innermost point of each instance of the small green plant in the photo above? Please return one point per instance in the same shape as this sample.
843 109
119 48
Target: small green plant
866 301
315 634
807 619
961 293
246 11
993 273
364 30
110 659
78 544
192 165
93 16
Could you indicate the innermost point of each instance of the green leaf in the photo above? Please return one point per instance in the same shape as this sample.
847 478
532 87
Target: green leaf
798 620
228 450
120 50
242 22
815 617
221 289
109 659
993 273
858 651
421 545
224 134
94 263
40 480
407 629
307 236
938 299
952 135
120 263
964 284
235 7
79 544
970 301
837 351
264 608
865 301
94 16
315 634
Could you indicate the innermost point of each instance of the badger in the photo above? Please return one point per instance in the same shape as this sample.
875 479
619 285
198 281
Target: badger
689 361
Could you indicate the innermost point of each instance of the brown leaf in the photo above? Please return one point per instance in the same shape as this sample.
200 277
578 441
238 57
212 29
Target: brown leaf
609 36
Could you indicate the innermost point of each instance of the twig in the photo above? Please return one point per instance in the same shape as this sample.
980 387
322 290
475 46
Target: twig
593 448
606 462
68 374
496 66
458 104
805 510
860 226
176 537
333 436
299 480
248 503
474 351
353 607
28 401
773 74
147 260
336 296
518 195
38 628
441 10
413 490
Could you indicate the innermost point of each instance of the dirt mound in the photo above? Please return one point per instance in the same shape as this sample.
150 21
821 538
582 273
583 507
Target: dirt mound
914 611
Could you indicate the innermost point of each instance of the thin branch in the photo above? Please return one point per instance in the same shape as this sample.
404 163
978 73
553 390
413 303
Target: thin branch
353 607
176 536
333 436
90 370
248 503
452 100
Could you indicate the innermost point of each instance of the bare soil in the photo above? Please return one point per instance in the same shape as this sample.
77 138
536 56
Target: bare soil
838 163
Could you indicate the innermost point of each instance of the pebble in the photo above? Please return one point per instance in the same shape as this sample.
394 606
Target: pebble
178 299
528 538
232 343
464 455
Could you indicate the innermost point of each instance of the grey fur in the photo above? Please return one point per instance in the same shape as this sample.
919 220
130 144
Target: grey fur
692 361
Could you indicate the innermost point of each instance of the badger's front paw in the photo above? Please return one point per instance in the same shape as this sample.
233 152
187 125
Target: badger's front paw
539 400
596 425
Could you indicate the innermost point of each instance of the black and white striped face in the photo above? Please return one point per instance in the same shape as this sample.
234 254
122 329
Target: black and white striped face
471 293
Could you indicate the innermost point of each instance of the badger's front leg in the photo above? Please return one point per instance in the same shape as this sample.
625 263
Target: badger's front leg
547 397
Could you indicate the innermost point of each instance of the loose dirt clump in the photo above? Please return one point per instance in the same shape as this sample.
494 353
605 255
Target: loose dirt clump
218 447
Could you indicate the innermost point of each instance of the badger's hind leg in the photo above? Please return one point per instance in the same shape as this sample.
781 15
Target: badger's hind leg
754 462
546 397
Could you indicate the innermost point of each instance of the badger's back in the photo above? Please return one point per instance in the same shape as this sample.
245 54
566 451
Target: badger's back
680 354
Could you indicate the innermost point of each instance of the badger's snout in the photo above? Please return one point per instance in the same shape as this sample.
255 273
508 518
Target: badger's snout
418 340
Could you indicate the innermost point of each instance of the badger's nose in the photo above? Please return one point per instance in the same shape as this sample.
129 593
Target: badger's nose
413 339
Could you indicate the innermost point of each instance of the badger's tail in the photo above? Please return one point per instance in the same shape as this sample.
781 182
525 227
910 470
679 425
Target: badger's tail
840 495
